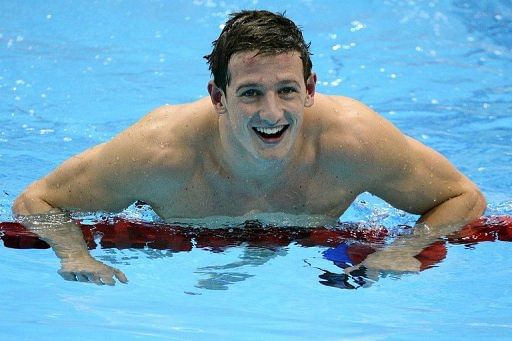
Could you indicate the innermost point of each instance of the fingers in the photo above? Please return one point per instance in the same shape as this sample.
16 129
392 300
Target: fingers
120 276
373 274
352 268
80 277
73 276
107 280
99 278
363 275
68 276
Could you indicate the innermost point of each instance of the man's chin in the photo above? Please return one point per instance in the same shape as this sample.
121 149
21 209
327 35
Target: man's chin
273 152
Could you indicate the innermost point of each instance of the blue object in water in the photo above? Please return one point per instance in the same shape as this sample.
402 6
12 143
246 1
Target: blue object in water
338 255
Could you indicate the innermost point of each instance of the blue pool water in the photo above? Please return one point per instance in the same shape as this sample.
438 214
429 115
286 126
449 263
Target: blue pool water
73 74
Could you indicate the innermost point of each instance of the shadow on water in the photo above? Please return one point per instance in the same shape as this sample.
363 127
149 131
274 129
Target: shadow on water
343 246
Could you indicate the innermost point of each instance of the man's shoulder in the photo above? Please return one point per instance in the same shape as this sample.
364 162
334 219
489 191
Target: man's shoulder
353 133
339 110
170 136
343 120
197 114
181 124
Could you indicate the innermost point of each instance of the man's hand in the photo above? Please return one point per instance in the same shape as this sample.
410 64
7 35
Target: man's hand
67 240
391 259
90 270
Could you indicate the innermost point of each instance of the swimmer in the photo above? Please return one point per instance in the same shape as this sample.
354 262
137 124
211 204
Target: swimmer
263 142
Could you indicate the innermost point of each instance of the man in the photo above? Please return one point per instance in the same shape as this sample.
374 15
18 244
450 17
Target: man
269 144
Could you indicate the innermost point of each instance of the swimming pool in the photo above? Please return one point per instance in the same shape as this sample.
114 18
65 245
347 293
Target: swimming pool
75 74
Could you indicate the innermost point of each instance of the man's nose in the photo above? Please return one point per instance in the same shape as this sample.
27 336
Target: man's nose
271 111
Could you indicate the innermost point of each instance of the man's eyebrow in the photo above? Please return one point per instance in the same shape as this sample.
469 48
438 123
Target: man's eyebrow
257 85
288 81
248 85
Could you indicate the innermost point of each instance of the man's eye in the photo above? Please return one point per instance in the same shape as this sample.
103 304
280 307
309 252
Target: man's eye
250 93
287 90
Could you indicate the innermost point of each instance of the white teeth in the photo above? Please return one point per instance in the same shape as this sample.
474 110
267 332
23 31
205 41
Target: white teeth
269 131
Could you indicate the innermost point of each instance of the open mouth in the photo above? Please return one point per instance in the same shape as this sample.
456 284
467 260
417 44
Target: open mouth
271 134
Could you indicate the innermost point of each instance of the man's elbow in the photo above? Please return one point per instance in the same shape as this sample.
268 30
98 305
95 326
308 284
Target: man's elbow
476 202
480 202
29 202
19 206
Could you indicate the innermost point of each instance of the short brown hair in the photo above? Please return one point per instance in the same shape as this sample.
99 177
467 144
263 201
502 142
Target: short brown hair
262 31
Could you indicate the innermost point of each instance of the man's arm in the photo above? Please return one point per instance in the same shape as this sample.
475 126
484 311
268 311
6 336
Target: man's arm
67 241
422 181
433 188
413 177
75 184
145 162
108 177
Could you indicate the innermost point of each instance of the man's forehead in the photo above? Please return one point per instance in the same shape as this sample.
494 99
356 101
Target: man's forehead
251 58
244 65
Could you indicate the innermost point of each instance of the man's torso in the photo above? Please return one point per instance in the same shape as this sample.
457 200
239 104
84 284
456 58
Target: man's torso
318 183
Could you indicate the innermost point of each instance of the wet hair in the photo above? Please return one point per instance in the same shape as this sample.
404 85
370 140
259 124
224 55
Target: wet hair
261 31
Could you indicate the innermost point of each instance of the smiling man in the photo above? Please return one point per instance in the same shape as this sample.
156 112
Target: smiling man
264 144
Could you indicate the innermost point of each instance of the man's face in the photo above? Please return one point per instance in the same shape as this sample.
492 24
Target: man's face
265 101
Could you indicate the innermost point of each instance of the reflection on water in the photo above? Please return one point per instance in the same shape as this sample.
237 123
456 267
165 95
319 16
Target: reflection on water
219 277
344 281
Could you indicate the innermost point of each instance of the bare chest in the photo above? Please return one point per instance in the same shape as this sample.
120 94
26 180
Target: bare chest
303 194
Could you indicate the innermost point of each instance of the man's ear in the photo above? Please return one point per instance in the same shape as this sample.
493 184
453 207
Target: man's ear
216 95
310 90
